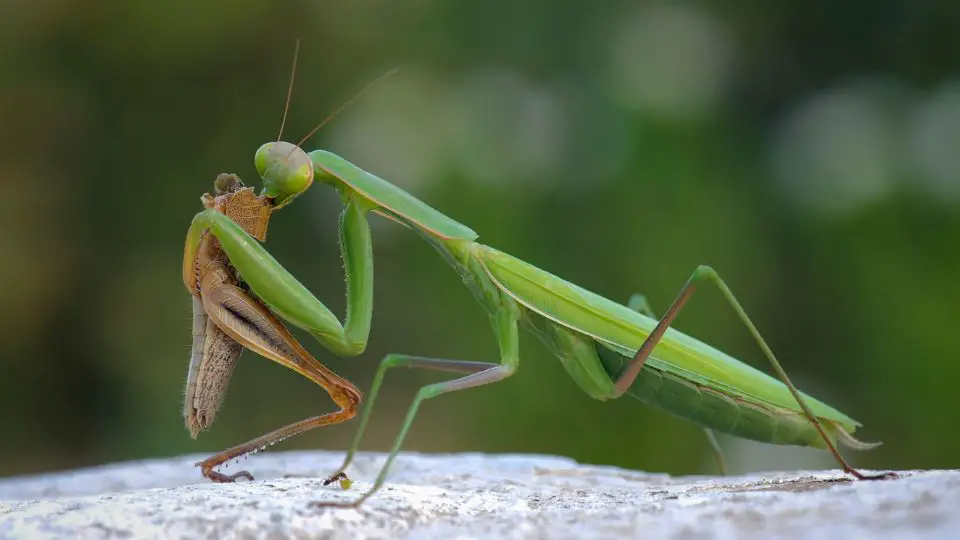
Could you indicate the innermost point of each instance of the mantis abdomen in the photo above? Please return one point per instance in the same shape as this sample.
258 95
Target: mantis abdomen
713 409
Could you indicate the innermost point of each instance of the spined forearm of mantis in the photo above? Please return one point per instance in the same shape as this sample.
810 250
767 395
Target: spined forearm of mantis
609 349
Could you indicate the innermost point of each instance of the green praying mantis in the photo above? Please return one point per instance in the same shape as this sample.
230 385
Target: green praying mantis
242 296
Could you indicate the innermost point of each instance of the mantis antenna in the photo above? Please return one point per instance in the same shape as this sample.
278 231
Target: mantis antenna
293 74
346 104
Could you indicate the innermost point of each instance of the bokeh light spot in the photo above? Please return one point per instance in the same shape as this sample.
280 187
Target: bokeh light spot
838 149
671 62
934 141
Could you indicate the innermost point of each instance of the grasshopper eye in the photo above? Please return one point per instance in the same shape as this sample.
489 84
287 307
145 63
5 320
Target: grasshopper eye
285 169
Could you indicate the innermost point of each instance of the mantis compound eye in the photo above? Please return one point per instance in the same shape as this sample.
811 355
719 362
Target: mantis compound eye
286 171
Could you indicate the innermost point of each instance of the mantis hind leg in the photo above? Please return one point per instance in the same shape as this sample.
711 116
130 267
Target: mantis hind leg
705 273
639 303
476 374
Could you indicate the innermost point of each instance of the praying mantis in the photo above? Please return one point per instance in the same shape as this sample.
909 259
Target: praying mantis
243 297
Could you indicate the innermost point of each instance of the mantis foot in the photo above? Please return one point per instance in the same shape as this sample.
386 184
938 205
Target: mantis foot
881 476
221 478
341 477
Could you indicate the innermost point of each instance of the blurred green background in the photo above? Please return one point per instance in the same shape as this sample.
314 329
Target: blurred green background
809 151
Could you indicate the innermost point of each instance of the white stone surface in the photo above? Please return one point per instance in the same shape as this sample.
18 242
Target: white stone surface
463 496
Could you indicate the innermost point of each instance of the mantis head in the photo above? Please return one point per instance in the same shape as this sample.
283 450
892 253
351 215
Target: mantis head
285 169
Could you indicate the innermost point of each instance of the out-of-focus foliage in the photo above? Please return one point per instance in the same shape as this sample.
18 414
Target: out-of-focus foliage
810 151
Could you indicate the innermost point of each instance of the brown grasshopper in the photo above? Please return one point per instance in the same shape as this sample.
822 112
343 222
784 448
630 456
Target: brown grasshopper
227 318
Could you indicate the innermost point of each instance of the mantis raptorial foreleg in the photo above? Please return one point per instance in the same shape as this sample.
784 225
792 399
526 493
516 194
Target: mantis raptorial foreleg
286 296
640 304
479 374
709 274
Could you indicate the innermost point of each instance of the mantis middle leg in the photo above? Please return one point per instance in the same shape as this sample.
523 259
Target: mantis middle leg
478 373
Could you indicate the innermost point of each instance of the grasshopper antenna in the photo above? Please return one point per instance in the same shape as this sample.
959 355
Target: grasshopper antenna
340 109
293 75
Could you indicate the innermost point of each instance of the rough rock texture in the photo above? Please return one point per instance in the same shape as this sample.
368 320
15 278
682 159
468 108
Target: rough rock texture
471 496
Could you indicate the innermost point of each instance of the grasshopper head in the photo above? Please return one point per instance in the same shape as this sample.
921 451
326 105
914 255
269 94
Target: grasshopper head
227 183
286 171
